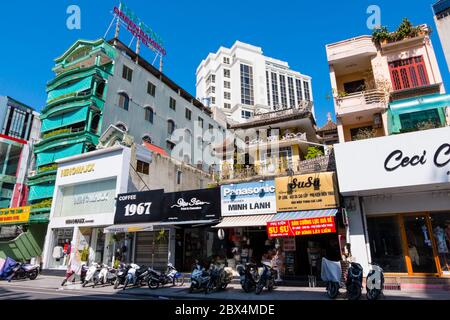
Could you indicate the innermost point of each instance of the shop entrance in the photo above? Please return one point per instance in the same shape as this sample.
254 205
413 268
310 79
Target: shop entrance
421 256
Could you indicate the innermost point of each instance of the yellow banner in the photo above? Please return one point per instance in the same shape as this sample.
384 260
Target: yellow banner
306 192
15 215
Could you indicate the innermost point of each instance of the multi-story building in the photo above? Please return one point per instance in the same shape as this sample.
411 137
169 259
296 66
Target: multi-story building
99 83
441 11
19 128
240 80
389 95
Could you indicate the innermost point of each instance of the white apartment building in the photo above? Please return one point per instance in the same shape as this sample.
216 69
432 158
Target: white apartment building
241 81
442 19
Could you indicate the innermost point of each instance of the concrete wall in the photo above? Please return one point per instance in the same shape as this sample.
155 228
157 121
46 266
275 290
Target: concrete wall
443 28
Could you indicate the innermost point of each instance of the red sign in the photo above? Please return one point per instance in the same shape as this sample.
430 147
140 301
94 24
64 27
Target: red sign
301 227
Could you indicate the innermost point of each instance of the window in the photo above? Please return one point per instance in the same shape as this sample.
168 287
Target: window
268 88
298 87
227 84
386 244
307 92
127 73
408 73
416 120
122 127
170 145
227 95
362 133
283 91
95 122
143 167
246 114
246 84
172 103
151 89
274 89
179 174
291 92
210 127
188 114
200 122
226 60
211 79
170 126
213 100
100 89
147 138
354 86
124 101
16 125
211 90
226 73
149 114
227 105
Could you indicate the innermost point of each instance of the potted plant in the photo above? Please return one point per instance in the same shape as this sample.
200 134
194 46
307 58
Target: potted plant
313 152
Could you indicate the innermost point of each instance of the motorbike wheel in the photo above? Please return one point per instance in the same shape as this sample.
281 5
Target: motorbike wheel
84 283
116 284
191 288
258 289
332 290
208 288
271 286
152 284
33 275
373 294
354 291
125 284
223 286
178 282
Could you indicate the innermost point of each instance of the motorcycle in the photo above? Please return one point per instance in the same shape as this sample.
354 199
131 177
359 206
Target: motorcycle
71 273
172 276
136 275
23 271
354 281
374 282
105 276
200 279
331 272
122 272
220 277
92 274
249 276
267 277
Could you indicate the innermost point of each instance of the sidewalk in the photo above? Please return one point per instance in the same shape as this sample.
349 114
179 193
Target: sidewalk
233 292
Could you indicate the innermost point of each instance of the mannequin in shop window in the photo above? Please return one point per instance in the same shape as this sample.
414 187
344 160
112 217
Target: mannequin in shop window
413 255
441 243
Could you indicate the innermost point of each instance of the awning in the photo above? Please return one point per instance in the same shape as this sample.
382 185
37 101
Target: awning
129 227
422 103
296 215
245 221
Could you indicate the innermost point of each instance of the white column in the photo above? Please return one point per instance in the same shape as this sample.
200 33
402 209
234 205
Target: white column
48 248
357 231
172 241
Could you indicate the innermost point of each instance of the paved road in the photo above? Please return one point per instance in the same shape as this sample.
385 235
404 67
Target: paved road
48 287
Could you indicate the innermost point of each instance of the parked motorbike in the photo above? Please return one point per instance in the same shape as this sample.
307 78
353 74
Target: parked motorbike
267 277
71 273
172 276
23 271
105 276
331 272
220 277
374 282
92 273
200 279
122 272
249 276
136 276
354 281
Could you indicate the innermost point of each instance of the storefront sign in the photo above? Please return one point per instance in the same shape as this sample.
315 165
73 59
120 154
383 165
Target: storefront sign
248 198
306 192
15 215
415 160
78 221
78 170
139 207
301 227
203 204
139 29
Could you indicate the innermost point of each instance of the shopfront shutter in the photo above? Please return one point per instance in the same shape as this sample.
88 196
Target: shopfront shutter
79 86
51 156
144 249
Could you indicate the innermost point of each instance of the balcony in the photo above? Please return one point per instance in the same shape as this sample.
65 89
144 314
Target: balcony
286 140
359 46
361 101
235 173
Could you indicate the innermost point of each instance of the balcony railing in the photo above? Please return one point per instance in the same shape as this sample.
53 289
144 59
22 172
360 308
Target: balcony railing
360 100
276 168
61 132
280 111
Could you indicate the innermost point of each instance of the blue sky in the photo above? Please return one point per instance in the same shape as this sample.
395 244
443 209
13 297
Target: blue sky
33 33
